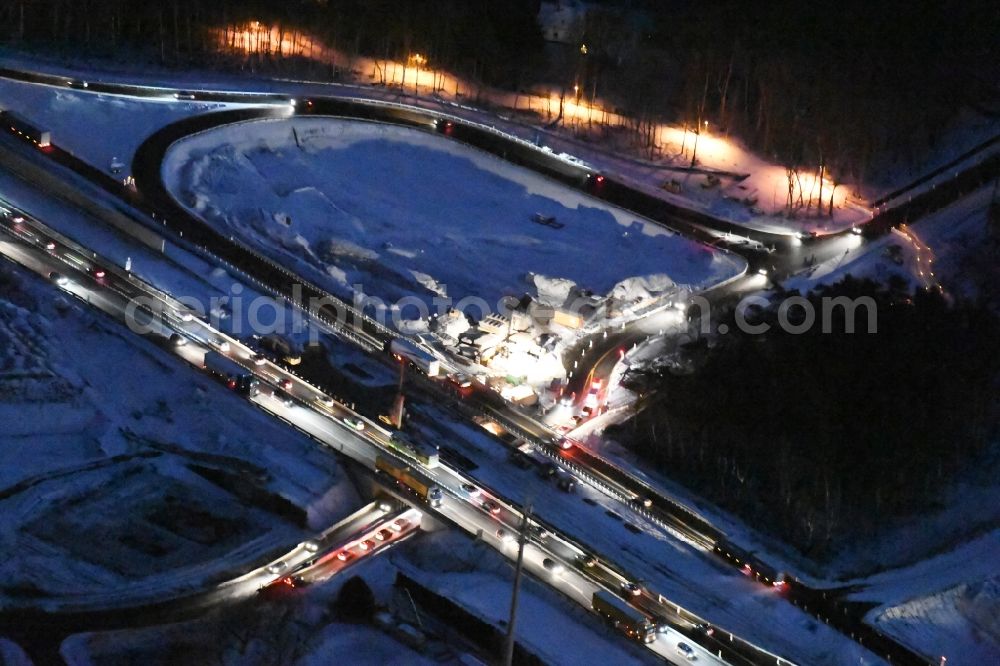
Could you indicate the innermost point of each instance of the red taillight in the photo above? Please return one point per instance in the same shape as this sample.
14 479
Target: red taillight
99 273
600 179
231 383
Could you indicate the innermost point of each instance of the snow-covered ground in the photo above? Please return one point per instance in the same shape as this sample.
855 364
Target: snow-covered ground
402 212
753 196
939 249
102 420
961 623
96 127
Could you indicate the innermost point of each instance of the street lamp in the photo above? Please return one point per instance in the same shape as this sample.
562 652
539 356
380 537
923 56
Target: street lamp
417 60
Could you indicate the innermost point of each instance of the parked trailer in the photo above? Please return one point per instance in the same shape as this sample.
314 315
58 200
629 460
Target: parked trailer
405 350
628 620
232 373
22 127
403 475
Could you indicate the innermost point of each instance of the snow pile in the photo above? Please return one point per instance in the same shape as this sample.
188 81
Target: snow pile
552 291
641 288
395 211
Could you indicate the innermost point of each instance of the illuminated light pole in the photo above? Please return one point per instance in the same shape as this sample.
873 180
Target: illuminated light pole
417 60
522 538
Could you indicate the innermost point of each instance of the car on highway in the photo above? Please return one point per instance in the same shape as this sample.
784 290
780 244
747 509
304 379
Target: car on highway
259 359
491 507
357 424
184 94
470 490
686 651
285 384
705 628
383 534
297 581
641 502
505 536
345 556
564 443
59 278
177 340
399 525
309 546
588 561
98 273
630 589
185 316
285 398
50 246
277 567
367 544
325 400
552 566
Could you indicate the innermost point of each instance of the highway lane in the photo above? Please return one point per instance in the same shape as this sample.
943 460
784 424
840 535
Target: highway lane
305 413
305 398
818 248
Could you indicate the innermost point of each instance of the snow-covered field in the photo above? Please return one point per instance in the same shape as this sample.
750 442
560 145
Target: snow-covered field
401 212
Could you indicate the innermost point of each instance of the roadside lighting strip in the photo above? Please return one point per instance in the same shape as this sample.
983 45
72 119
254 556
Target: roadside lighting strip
236 345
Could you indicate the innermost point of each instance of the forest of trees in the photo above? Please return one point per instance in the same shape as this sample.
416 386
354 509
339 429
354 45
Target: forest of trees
825 439
840 89
496 43
809 84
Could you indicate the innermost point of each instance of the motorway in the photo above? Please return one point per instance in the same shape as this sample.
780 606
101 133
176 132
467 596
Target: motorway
29 243
785 259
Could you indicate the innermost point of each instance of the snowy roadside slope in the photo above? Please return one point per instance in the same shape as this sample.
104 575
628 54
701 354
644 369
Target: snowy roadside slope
480 580
961 623
131 434
402 212
96 127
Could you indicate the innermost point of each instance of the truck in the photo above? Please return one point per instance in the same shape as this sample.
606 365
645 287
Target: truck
406 351
403 474
23 128
425 455
750 563
234 375
628 620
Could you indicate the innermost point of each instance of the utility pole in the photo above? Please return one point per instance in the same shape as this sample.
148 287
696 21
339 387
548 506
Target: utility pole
521 539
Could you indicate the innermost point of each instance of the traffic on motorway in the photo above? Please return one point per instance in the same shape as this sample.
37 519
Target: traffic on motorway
600 473
462 501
